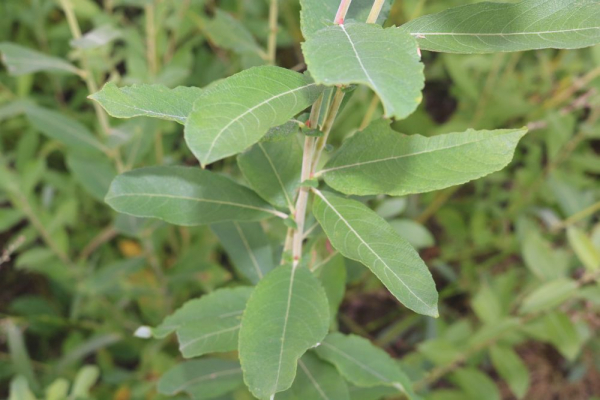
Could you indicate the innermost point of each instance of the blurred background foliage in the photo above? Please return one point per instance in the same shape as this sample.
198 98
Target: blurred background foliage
516 256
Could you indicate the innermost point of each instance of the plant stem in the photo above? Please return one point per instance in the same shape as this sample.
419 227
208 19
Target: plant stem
273 28
302 201
151 54
342 11
88 76
375 11
331 115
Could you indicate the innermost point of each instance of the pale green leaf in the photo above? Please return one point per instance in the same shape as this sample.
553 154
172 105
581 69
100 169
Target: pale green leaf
476 384
85 379
19 389
558 329
65 130
549 295
360 234
332 274
362 363
155 101
94 174
286 315
202 379
415 233
542 259
20 60
96 38
218 311
316 380
275 134
57 390
489 27
511 368
237 112
584 248
380 160
229 33
185 196
319 14
386 60
273 170
248 248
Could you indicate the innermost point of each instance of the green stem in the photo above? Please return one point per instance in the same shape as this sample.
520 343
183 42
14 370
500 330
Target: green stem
302 201
273 28
331 115
151 54
375 11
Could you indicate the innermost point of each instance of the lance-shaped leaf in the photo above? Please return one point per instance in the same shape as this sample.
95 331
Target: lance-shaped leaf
319 14
248 247
66 130
273 170
381 160
286 315
93 173
362 363
511 368
386 60
237 112
96 38
497 27
316 380
20 60
202 379
208 324
360 234
185 196
155 101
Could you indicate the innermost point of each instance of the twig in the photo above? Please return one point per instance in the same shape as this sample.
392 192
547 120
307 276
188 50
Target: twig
273 29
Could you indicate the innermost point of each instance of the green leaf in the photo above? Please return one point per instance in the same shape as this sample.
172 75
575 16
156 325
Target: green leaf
386 60
202 379
57 390
319 14
20 60
85 379
93 173
19 389
237 112
96 38
362 363
332 274
557 328
248 247
415 233
381 160
542 259
286 315
360 234
493 27
273 170
208 324
511 368
549 295
229 33
476 384
185 196
584 248
155 101
64 130
316 380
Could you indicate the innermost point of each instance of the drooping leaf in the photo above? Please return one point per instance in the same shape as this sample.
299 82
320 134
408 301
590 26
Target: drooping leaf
386 60
273 170
202 379
360 234
20 60
67 131
489 27
316 380
362 363
248 247
93 173
96 38
548 296
185 196
380 160
155 101
319 14
511 368
286 315
237 112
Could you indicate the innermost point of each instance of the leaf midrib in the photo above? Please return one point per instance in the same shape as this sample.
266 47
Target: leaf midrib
248 249
423 35
208 377
369 247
